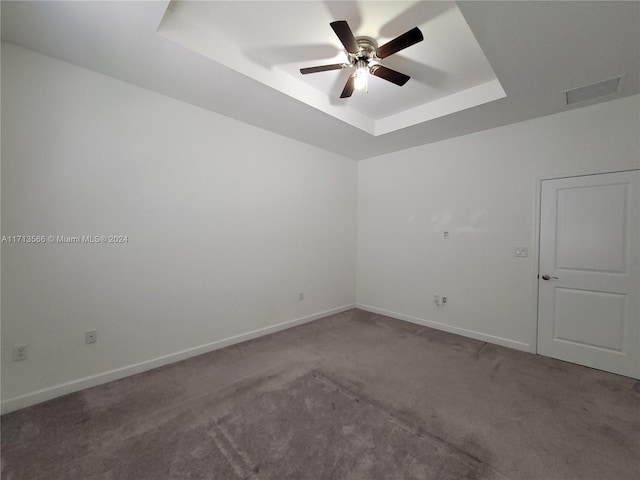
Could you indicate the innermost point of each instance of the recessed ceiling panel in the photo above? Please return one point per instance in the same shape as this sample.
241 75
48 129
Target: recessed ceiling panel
270 41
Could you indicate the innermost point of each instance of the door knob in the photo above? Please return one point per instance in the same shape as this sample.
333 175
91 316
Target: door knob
548 277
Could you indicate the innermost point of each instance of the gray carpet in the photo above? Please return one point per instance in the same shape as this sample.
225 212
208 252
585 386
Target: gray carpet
316 428
352 396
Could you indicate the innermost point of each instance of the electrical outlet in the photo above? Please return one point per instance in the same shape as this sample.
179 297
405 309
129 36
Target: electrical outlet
91 336
439 301
446 235
521 252
19 352
301 296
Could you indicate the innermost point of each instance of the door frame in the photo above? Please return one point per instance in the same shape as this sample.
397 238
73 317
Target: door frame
536 243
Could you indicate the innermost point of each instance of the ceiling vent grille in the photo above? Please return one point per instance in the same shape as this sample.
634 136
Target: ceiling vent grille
595 90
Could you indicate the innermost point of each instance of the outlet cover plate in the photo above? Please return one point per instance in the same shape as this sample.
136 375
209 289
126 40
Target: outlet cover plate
19 352
91 336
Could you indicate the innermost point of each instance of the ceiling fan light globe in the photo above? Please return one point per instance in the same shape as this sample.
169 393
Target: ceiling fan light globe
360 78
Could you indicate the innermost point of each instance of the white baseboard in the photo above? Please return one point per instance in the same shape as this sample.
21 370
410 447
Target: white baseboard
49 393
505 342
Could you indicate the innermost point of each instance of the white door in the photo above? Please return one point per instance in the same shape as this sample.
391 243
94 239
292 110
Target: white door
589 275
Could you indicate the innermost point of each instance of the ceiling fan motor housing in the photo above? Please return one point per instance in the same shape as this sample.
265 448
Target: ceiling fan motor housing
366 52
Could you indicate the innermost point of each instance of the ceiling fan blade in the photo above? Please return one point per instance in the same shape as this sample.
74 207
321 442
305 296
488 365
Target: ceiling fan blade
348 88
321 68
405 40
344 33
389 75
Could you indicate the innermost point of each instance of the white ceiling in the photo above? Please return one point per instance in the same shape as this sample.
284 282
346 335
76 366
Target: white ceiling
535 50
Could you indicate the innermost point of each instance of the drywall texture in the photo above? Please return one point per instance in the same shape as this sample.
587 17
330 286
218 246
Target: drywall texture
482 189
226 225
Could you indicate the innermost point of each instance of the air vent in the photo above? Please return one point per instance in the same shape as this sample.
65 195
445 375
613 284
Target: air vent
595 90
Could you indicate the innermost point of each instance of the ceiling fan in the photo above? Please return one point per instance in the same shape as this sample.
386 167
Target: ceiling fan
364 54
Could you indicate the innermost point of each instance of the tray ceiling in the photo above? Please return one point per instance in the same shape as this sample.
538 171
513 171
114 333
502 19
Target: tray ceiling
271 41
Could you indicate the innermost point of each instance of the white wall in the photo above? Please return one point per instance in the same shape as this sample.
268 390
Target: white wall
227 224
481 188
